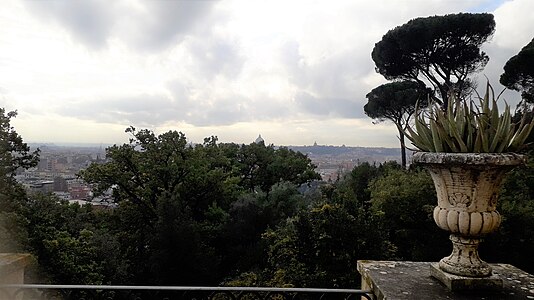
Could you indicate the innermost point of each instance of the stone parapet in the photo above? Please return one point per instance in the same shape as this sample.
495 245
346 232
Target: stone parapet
12 267
412 280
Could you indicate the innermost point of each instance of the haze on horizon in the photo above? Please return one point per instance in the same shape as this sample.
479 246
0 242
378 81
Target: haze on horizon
294 71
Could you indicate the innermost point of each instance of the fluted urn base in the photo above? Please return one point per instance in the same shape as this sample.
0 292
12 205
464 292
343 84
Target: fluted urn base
464 259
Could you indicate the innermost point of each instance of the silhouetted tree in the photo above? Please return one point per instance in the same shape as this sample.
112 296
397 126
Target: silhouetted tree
443 50
396 102
519 73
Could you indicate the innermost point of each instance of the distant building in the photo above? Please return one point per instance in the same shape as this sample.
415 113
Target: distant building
44 164
60 184
40 186
80 192
259 140
62 195
79 202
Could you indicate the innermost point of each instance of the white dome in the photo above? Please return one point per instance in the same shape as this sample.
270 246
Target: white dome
259 140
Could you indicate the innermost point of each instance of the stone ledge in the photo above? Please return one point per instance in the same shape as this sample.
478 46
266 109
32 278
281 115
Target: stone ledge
12 267
412 280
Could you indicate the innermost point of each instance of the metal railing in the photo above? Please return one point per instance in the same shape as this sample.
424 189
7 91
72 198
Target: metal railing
111 292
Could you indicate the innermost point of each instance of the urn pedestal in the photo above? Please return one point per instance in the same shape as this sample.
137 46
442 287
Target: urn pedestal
467 186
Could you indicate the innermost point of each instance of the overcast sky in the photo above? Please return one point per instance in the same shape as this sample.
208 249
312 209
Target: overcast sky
294 71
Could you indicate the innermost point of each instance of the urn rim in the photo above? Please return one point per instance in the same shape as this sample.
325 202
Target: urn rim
495 159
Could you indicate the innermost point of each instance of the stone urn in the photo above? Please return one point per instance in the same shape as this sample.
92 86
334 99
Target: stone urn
467 186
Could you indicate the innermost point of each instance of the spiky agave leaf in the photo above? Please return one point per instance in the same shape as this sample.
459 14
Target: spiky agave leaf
469 128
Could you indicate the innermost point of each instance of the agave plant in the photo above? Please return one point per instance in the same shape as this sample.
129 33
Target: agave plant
468 127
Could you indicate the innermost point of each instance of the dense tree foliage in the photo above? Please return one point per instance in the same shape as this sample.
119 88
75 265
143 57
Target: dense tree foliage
192 214
241 215
441 50
321 245
71 243
396 101
405 201
519 73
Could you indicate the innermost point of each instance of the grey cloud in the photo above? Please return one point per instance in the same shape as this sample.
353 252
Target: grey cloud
350 107
330 87
230 110
156 110
168 22
225 112
338 75
329 106
143 110
312 104
93 22
290 56
267 109
90 21
216 56
220 111
208 110
335 82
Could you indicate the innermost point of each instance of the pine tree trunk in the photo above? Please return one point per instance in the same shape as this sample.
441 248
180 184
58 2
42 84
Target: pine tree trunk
403 149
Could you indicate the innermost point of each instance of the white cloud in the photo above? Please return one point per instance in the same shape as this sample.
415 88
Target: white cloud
295 71
514 24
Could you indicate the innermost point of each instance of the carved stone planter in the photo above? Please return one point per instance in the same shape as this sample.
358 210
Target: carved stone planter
467 186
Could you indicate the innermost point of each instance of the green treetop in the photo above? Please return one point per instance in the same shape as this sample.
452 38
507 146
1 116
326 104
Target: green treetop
441 50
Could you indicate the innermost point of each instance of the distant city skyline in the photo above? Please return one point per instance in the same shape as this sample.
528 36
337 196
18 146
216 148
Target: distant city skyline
296 72
59 164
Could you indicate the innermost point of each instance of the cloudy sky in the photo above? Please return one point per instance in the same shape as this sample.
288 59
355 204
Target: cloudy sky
294 71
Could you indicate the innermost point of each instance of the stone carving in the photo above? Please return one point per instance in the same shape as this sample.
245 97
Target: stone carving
459 200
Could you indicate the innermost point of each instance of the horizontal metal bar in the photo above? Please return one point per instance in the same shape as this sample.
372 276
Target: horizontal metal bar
180 288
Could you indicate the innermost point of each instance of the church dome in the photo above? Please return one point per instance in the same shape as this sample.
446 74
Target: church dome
259 140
